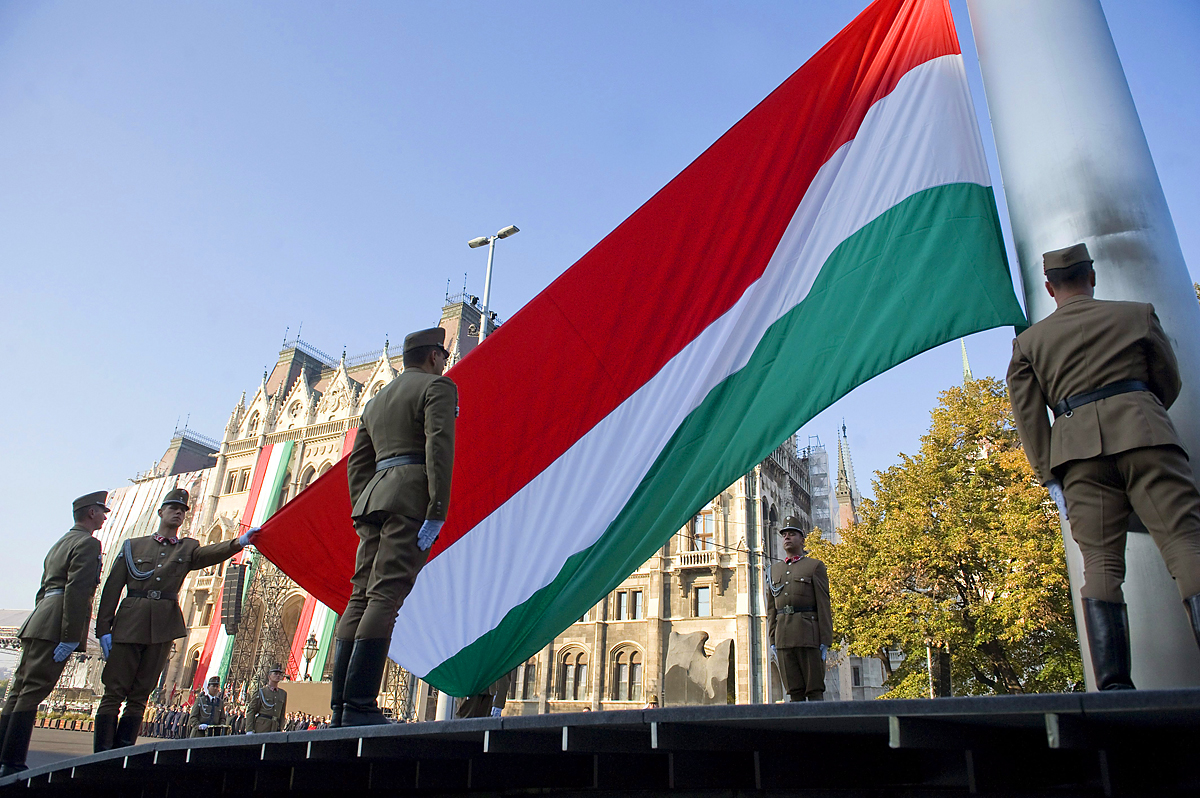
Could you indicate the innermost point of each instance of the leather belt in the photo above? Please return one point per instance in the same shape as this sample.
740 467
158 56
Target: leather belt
1067 406
152 594
790 610
404 459
54 591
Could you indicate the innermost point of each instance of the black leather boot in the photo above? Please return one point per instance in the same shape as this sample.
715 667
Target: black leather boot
341 664
16 742
5 718
104 732
363 677
1193 610
1108 639
127 730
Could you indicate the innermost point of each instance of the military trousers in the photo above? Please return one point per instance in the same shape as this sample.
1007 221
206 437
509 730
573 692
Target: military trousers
1156 482
36 675
131 672
385 569
803 672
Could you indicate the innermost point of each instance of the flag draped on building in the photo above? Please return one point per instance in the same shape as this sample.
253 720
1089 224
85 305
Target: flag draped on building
844 225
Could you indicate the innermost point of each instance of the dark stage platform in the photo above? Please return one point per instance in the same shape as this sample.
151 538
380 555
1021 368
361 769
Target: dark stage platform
1127 743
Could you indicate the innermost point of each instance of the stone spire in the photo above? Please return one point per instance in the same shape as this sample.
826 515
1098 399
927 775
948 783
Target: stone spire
846 491
966 363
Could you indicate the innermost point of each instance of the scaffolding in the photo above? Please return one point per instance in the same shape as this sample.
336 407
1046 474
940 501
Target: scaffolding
819 485
261 640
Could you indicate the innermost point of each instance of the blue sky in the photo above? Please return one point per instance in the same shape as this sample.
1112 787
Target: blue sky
181 182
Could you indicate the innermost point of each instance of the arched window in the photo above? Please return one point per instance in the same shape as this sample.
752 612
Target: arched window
523 683
252 427
326 467
377 388
703 531
573 676
284 490
193 663
627 675
307 477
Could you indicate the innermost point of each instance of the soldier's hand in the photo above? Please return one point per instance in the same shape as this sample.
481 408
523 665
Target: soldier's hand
106 644
63 650
774 654
824 651
203 727
1056 493
495 712
247 537
428 534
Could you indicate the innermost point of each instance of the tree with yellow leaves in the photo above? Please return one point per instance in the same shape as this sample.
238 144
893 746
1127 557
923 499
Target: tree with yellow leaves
961 548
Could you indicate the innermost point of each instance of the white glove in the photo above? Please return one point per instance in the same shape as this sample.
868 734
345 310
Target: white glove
428 534
247 537
774 654
495 712
249 732
203 727
1056 493
106 645
824 651
63 650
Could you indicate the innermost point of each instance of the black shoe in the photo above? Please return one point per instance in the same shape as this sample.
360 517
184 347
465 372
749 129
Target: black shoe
364 674
127 730
1108 639
1193 610
341 663
16 741
104 732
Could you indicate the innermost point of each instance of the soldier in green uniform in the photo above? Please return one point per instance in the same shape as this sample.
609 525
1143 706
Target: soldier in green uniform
399 474
489 704
56 627
136 633
209 709
267 706
1108 372
799 617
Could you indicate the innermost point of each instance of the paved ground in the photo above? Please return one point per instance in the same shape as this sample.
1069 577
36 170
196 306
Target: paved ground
51 745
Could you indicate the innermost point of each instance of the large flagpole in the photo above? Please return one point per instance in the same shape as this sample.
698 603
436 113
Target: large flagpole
1076 167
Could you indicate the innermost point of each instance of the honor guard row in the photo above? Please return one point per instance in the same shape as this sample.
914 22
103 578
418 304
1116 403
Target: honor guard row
138 619
1108 373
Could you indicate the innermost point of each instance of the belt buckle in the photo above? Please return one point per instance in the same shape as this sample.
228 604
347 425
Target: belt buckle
154 594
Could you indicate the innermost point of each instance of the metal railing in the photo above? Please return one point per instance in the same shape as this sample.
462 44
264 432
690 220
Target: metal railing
196 437
696 559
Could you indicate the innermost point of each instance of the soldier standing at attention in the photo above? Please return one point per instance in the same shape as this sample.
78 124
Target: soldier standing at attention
399 474
799 617
56 627
209 709
136 636
1108 372
489 704
268 705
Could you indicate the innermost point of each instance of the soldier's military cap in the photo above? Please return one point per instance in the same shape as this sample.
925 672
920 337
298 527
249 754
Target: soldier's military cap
434 336
177 496
1066 257
100 497
792 522
276 669
212 679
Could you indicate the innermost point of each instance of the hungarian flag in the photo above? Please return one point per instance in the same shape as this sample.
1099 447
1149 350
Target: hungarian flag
846 224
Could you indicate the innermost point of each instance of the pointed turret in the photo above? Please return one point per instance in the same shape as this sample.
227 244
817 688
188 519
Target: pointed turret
846 491
966 364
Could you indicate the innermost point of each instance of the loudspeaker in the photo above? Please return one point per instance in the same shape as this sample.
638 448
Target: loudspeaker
231 597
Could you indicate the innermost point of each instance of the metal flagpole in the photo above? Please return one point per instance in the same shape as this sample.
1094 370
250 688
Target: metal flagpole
1077 168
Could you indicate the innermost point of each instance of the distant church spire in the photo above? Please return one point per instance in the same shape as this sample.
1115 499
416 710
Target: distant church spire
966 363
846 491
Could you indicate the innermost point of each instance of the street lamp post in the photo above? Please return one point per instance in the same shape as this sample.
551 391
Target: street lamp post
310 651
487 280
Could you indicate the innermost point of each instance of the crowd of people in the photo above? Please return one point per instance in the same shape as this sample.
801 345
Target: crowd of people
170 722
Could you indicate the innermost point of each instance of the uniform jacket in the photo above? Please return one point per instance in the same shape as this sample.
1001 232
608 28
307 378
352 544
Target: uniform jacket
413 414
72 566
1084 345
799 584
265 710
207 709
146 620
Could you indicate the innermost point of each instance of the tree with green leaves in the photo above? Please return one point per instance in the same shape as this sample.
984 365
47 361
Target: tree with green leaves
961 548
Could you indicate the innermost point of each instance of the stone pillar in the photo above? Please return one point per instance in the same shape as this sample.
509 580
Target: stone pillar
1077 168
